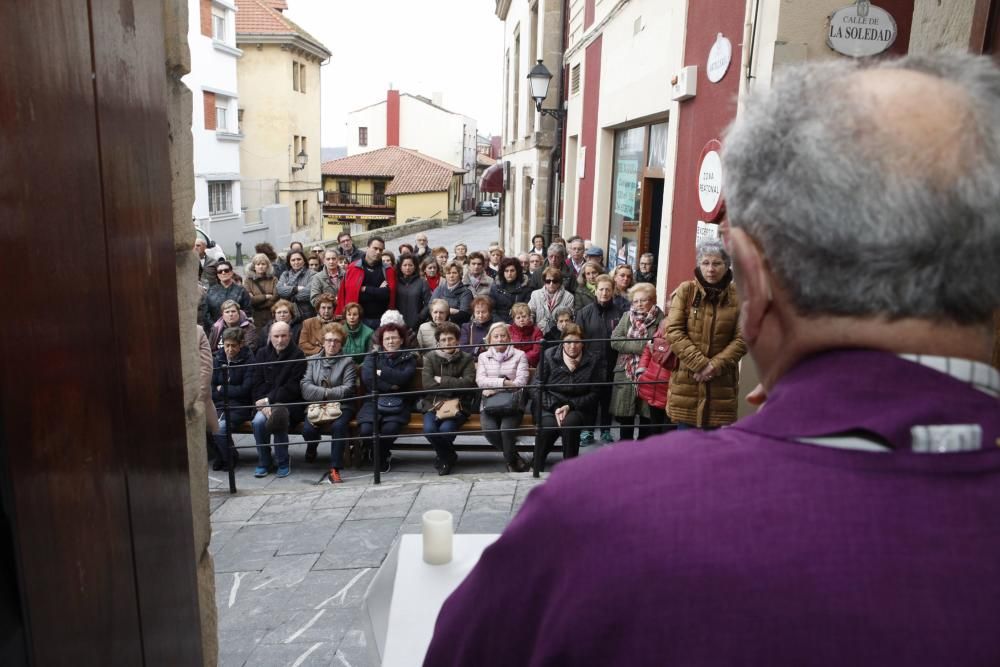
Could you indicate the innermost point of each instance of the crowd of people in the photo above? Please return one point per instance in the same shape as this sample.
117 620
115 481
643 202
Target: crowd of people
475 332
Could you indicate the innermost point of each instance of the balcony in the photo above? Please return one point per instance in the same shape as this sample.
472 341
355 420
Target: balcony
347 202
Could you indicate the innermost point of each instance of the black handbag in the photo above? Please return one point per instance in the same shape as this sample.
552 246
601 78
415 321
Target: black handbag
503 403
390 405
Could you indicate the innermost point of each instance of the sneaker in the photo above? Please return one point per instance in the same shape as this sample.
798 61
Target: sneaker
261 471
607 438
283 471
335 476
586 438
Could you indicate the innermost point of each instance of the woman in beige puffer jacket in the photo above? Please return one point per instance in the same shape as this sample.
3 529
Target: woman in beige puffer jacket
703 328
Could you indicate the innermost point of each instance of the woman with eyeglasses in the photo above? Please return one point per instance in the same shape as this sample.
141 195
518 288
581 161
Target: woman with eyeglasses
550 297
633 334
282 311
225 290
293 284
330 376
390 370
704 332
568 399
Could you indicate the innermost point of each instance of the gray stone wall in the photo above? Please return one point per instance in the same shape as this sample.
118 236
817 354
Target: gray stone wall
178 63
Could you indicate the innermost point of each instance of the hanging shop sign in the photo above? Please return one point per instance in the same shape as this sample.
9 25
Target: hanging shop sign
861 30
710 180
719 58
706 231
626 184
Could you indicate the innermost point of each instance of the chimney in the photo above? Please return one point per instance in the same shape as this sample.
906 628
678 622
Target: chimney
437 99
392 118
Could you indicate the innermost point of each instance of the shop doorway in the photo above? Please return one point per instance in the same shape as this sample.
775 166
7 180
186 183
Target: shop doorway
651 221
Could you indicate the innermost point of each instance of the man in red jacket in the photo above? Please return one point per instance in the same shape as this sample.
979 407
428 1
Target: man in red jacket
370 284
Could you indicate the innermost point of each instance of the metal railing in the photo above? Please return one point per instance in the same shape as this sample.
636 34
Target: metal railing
362 200
535 388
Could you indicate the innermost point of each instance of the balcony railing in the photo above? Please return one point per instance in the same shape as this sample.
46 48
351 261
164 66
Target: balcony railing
356 201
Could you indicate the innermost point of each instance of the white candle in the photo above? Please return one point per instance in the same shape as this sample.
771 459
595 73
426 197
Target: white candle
437 537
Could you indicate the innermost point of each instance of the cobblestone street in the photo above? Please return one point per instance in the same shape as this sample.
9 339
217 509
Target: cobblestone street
293 559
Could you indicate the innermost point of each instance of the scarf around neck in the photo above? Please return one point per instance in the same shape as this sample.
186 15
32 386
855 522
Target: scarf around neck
571 363
639 327
713 293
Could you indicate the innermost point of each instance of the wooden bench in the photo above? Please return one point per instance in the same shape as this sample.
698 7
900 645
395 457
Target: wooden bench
415 427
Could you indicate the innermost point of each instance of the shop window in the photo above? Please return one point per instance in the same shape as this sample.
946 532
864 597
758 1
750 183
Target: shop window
623 237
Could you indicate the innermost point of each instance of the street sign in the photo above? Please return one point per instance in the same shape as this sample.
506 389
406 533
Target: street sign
710 180
861 30
719 58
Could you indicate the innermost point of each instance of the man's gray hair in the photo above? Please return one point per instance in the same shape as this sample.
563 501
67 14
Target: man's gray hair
558 248
855 217
710 247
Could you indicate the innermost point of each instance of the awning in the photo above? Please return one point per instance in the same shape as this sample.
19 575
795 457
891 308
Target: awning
492 179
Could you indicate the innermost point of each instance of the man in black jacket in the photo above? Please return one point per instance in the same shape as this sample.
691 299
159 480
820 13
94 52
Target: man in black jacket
598 320
568 400
275 384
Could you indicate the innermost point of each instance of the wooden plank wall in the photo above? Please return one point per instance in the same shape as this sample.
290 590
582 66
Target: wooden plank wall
92 422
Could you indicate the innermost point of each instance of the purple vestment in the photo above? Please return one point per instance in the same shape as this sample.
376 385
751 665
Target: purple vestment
745 547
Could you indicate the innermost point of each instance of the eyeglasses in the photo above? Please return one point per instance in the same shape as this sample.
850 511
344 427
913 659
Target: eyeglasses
224 271
550 281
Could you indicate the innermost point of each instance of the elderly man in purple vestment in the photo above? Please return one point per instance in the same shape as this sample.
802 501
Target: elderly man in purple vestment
855 519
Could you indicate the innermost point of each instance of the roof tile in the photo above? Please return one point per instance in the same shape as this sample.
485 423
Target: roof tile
410 171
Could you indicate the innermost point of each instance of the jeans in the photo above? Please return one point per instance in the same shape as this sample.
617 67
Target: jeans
506 440
338 429
569 431
434 429
387 429
263 440
221 442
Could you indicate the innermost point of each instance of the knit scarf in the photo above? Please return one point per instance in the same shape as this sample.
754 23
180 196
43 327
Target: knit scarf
552 300
447 355
639 327
713 293
501 357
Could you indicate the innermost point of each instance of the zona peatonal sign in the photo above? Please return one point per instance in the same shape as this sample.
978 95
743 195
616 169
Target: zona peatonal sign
861 29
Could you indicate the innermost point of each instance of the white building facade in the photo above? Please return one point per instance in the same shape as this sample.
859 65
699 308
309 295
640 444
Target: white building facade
532 32
215 114
421 124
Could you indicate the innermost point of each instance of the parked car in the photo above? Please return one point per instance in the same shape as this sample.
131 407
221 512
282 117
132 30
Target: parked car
486 207
213 251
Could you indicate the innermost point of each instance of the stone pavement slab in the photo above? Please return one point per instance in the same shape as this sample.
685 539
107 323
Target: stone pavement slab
362 543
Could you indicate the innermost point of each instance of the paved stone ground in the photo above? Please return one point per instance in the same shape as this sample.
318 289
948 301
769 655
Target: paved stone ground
293 558
476 232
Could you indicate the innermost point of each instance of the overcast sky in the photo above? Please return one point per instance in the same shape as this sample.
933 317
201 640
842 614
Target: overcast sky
454 47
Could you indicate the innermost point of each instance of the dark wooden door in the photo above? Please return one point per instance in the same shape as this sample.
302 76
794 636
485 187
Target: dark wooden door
93 454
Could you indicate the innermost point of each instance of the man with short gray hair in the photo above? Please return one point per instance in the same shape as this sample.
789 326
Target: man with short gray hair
853 520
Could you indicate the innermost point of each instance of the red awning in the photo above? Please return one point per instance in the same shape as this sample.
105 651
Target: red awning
492 179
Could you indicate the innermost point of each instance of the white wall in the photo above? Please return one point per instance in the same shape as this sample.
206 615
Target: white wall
372 117
213 69
431 130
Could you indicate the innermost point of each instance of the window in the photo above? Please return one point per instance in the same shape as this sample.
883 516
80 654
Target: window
221 110
302 146
239 119
298 214
298 76
296 146
220 197
218 26
362 136
574 79
344 187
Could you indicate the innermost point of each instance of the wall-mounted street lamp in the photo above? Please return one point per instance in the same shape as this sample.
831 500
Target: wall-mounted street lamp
301 160
538 79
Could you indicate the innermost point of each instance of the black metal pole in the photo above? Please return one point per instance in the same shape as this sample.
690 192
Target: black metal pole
230 446
376 440
536 461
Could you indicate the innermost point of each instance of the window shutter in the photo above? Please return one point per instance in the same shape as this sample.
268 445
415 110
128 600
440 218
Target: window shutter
206 18
209 110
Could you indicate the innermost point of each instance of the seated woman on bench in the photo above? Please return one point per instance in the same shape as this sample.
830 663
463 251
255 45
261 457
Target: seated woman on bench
447 370
502 368
389 369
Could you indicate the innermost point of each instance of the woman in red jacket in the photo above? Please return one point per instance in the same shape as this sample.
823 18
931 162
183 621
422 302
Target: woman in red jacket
655 366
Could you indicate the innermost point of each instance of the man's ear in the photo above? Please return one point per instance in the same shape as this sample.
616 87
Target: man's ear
752 280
